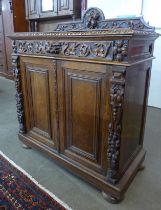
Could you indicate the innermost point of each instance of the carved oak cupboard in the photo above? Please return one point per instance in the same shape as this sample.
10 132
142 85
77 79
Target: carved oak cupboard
81 96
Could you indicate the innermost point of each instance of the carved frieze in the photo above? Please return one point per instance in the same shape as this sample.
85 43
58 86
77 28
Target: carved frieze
102 49
19 97
114 137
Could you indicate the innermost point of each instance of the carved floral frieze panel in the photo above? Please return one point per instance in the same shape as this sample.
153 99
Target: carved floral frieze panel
108 50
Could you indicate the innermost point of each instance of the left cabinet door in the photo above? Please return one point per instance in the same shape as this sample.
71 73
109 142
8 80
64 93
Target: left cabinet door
39 88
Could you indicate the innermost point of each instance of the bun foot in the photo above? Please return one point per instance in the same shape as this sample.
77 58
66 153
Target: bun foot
111 199
141 167
25 146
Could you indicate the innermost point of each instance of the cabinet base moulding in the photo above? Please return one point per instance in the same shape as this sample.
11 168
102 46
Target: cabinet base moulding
112 193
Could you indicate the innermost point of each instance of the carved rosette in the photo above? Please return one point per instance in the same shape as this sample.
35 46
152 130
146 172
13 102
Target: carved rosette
114 137
120 50
19 97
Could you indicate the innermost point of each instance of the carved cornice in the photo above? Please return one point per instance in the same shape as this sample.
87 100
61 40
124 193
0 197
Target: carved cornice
108 50
114 138
81 34
93 24
18 96
94 18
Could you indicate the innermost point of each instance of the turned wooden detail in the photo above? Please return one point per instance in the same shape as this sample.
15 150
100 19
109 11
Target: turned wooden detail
114 139
19 97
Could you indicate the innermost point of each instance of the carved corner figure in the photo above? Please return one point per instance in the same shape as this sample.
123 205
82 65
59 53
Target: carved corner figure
114 137
18 96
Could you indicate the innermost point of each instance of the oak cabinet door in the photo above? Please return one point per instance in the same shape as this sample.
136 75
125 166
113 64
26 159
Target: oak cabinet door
84 113
40 99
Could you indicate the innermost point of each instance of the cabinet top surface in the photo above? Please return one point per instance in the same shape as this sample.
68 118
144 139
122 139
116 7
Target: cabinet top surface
93 24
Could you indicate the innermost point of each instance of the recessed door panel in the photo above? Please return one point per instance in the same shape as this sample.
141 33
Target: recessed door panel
38 83
40 99
84 113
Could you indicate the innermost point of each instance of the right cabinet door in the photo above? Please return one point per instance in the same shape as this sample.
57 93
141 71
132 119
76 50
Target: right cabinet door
84 113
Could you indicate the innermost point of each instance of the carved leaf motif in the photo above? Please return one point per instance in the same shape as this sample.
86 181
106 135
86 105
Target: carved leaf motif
18 96
120 50
114 138
70 50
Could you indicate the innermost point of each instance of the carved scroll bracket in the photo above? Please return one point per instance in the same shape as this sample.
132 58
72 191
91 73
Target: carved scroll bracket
19 97
114 138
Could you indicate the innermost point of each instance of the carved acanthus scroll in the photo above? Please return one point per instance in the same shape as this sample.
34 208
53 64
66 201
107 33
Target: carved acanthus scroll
94 18
101 49
19 97
114 138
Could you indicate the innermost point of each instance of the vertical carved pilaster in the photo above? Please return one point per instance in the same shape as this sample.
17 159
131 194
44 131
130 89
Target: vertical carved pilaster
19 97
56 102
114 138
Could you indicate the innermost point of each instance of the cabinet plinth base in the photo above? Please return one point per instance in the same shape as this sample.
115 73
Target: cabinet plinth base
112 193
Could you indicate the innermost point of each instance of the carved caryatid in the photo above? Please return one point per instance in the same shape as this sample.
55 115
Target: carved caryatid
114 137
19 97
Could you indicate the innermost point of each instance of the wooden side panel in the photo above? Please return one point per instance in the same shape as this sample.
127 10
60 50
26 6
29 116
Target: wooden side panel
40 99
85 113
134 112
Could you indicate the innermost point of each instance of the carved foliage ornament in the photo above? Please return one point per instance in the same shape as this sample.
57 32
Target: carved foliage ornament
94 18
120 50
114 138
19 98
75 49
